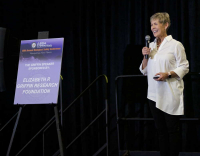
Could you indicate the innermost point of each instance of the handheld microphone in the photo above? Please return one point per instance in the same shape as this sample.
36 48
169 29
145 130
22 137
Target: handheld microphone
147 38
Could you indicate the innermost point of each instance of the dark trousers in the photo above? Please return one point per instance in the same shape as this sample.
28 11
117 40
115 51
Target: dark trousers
168 130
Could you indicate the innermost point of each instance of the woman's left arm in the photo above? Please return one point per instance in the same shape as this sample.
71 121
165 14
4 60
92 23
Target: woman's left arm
181 63
164 76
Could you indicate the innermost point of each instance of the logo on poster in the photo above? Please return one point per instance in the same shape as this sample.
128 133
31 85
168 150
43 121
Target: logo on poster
43 45
33 45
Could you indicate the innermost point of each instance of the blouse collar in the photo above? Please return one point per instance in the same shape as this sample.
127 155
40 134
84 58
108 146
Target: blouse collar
168 38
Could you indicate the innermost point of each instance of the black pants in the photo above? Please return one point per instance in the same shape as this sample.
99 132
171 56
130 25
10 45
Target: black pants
168 131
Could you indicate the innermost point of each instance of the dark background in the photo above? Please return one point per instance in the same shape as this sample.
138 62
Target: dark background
101 37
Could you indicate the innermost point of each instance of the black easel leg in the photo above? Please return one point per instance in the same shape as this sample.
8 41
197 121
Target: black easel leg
14 130
59 131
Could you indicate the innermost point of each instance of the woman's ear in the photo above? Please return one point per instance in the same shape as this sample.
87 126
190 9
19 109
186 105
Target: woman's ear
166 25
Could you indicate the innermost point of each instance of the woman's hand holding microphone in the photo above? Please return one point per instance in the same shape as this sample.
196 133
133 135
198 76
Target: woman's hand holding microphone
145 51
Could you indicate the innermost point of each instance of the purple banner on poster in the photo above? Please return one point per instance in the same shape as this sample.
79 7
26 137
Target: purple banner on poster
39 71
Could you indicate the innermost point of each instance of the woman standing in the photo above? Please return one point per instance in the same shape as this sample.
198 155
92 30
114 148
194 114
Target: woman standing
167 60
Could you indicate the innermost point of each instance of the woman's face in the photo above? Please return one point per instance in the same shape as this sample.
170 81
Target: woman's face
158 29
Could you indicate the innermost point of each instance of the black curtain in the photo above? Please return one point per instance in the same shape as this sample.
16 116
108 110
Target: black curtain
101 37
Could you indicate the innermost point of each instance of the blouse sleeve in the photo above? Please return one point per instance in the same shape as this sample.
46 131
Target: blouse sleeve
181 61
143 71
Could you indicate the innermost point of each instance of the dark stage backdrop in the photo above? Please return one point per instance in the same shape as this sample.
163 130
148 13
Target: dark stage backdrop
101 37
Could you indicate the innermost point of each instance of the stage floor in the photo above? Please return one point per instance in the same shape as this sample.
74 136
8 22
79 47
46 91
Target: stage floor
154 153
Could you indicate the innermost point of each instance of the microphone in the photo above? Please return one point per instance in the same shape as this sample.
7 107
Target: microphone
147 38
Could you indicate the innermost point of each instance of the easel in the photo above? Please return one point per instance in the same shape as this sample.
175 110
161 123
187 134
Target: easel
58 124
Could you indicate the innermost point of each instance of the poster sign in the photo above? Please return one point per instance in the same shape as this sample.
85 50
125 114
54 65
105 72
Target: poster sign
39 71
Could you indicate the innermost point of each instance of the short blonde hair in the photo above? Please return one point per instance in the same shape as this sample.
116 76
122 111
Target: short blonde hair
163 18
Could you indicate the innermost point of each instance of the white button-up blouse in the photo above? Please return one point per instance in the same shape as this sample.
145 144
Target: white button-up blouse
167 94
